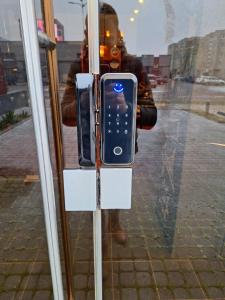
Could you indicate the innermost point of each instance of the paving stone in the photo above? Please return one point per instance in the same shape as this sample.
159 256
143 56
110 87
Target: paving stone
81 268
144 279
91 295
165 293
80 282
127 279
142 266
80 295
108 281
215 293
126 266
185 265
181 293
157 265
128 294
82 254
220 278
140 253
161 278
172 265
175 279
191 279
207 279
217 265
159 252
116 267
19 268
108 294
91 281
24 282
39 268
148 294
12 282
115 280
29 282
42 295
196 293
7 295
24 295
2 279
122 253
44 282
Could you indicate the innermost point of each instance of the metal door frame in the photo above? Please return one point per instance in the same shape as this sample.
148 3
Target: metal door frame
33 66
31 49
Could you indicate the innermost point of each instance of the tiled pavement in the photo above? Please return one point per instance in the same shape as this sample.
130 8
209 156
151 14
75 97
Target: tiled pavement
176 230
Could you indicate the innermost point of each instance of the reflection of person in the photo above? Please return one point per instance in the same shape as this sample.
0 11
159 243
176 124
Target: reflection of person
113 58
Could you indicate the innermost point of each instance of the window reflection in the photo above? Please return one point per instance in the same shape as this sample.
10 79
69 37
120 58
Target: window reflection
23 247
178 171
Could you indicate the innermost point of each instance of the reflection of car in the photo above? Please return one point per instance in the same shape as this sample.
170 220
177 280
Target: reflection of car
179 78
189 79
210 80
153 80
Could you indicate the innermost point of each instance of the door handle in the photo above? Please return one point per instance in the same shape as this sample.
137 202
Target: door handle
85 118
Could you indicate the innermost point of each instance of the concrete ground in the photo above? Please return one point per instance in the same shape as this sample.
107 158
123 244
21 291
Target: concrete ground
176 230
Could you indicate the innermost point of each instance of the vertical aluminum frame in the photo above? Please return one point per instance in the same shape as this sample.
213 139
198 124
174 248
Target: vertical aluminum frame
93 47
31 49
93 35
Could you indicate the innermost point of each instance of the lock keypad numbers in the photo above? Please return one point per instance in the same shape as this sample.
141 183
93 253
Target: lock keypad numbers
118 116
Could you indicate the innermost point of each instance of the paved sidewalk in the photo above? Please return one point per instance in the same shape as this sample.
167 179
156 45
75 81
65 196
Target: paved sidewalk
176 229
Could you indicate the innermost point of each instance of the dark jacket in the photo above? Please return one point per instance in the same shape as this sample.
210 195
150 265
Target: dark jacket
146 113
146 109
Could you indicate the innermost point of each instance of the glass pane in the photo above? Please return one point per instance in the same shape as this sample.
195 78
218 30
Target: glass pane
72 58
24 263
170 245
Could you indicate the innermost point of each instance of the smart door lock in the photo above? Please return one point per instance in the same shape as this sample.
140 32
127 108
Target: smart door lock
118 118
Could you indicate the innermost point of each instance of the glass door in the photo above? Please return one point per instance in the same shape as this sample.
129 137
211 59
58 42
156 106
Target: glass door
170 244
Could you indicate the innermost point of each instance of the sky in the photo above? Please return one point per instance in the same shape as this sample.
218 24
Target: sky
158 23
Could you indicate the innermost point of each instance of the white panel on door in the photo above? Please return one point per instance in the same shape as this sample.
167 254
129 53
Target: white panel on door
116 186
80 190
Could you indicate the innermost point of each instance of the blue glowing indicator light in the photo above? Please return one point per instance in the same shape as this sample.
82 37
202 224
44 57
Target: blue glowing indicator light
118 88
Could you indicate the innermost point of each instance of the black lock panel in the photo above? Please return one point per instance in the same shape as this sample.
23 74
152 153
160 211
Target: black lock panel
118 118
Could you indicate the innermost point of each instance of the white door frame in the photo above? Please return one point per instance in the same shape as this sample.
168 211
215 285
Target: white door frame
33 66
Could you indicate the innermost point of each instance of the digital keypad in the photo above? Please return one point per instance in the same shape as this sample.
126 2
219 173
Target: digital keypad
118 119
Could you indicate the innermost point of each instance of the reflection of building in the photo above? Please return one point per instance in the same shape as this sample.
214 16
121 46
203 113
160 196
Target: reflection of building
183 56
148 62
13 60
199 55
159 66
59 29
67 52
